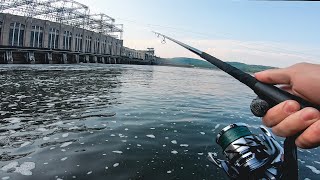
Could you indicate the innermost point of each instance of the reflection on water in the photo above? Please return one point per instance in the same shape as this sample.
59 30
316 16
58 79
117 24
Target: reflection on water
119 122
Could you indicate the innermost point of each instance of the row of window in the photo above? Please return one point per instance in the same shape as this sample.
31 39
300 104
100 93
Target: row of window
17 31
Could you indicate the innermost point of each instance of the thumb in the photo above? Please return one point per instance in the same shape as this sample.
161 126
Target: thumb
274 76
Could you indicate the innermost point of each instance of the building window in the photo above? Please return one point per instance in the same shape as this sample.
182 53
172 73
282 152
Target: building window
67 40
96 46
0 30
53 38
88 44
36 38
16 34
78 44
104 47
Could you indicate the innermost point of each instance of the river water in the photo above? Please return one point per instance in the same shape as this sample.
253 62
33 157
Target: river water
96 121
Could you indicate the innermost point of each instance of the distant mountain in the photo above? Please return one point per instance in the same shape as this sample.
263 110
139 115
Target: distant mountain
190 62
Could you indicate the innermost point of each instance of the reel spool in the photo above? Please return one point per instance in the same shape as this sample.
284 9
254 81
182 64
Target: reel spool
249 156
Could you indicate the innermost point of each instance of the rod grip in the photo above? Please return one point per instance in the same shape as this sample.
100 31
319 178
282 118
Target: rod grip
274 96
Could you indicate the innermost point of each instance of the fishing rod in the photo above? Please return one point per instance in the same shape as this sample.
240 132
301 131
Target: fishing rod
268 96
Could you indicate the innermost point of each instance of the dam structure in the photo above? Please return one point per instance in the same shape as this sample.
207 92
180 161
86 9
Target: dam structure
62 32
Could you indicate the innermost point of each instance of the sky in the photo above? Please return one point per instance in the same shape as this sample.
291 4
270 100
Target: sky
274 33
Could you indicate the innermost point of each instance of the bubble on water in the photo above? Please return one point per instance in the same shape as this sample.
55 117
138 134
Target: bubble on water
25 144
65 144
184 145
151 136
313 169
46 138
65 158
116 165
106 167
65 135
174 152
174 142
117 152
181 167
42 129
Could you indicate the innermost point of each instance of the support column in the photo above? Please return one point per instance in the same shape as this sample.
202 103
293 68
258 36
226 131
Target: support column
77 58
31 58
109 60
95 59
49 58
8 57
103 60
65 58
87 59
115 60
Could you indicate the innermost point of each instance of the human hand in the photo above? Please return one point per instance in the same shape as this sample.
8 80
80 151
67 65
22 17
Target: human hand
286 118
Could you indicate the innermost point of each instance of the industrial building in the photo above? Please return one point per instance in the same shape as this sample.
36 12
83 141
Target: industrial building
62 31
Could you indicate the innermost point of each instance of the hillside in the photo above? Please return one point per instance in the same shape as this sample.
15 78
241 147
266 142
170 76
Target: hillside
190 62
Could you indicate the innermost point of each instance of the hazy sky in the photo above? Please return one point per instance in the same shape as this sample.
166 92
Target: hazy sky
254 32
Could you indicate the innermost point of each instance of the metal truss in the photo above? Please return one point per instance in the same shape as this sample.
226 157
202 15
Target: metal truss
67 12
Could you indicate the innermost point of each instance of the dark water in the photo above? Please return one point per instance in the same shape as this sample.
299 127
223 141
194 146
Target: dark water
119 122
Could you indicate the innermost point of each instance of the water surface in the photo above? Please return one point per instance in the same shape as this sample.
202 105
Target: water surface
98 121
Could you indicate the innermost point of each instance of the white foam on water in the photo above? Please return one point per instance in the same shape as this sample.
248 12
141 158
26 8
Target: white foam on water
152 128
90 172
139 145
5 178
174 152
65 144
316 162
9 166
116 165
203 133
46 138
136 137
200 154
164 145
106 167
25 168
184 145
166 138
117 152
42 129
65 135
12 120
65 158
112 135
174 142
169 172
175 131
25 144
151 136
313 169
124 141
126 129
